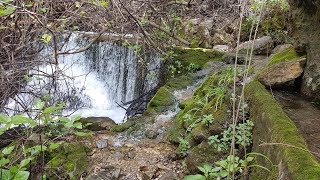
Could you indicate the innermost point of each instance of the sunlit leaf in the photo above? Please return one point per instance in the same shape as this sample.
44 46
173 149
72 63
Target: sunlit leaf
77 125
21 119
46 38
8 150
195 177
4 162
22 175
8 11
82 134
54 146
25 162
39 104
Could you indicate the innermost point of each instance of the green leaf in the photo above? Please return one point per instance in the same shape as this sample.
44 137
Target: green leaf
25 162
4 161
64 119
4 118
8 150
54 146
22 175
76 118
52 109
39 104
21 119
5 174
46 38
8 11
77 125
195 177
83 134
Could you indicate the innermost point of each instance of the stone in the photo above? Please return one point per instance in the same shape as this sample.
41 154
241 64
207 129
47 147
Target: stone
102 143
281 48
151 133
199 133
98 123
283 73
221 38
169 175
262 46
222 48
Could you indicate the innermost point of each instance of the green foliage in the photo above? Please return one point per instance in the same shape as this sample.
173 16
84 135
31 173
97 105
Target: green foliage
135 47
184 146
46 38
207 119
7 8
51 123
223 168
243 136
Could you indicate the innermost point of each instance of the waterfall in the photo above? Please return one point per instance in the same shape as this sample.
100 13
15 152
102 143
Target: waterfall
93 81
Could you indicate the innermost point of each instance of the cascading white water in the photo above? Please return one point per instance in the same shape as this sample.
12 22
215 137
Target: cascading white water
93 81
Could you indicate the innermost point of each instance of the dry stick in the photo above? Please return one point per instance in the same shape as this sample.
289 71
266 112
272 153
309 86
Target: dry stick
232 152
248 62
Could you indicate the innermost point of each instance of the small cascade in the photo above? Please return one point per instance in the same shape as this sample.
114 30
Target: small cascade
91 83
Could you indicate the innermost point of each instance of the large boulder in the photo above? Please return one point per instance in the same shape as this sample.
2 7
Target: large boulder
262 46
282 74
306 32
98 123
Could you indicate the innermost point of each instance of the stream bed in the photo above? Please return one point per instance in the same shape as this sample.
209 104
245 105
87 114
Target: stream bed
306 116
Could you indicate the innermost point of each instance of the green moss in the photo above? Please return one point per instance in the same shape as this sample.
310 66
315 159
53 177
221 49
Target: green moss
122 127
162 101
197 56
286 55
180 82
70 161
175 132
273 125
202 154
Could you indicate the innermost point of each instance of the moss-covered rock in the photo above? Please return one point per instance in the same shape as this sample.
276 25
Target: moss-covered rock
162 101
197 56
201 155
272 125
69 161
180 82
200 133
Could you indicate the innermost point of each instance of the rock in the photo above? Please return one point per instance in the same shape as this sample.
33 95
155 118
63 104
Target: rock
69 161
199 133
98 123
262 46
103 143
151 133
231 59
281 48
283 73
109 173
202 154
169 175
221 38
222 48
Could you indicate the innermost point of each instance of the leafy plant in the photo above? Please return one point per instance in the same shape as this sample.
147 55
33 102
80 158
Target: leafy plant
223 168
184 146
243 136
207 119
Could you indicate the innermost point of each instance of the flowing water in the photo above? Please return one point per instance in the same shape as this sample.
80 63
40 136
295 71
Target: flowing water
91 83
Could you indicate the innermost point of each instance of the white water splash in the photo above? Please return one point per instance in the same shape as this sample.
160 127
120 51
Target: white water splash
95 80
